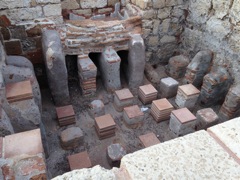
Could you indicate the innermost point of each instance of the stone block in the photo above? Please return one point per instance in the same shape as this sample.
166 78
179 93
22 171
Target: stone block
70 4
187 96
6 127
112 2
97 108
168 87
122 98
149 139
55 66
206 118
194 156
5 33
227 135
13 47
18 32
79 161
52 10
71 138
25 143
110 69
115 152
133 116
93 4
182 122
136 62
158 3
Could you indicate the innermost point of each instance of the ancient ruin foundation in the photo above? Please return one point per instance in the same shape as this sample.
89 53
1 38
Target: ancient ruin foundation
114 88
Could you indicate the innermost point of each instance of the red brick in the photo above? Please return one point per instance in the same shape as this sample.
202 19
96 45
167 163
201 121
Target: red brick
105 121
183 115
189 89
35 56
8 172
42 176
13 47
79 161
149 139
28 143
65 111
133 111
124 94
4 21
6 33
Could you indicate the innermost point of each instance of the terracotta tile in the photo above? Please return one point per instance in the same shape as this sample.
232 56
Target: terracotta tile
149 139
162 104
124 94
183 115
28 142
19 89
133 111
1 146
148 89
65 111
208 115
79 161
105 121
189 89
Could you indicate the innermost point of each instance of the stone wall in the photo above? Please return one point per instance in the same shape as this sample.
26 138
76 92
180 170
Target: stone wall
214 25
163 23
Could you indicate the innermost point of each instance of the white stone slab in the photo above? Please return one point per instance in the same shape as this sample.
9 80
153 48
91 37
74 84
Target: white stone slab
229 134
194 156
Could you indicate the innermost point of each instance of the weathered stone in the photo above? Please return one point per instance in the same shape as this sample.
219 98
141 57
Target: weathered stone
93 4
164 13
167 39
158 3
110 69
71 138
70 4
5 33
112 2
168 87
86 12
198 67
48 1
136 62
153 41
206 118
18 32
149 14
52 10
5 124
115 152
97 108
55 66
105 10
8 4
174 2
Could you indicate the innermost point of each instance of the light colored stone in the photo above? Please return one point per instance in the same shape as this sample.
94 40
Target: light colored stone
52 10
182 158
86 12
158 3
164 12
95 173
234 11
153 41
164 26
174 2
93 3
228 133
23 14
156 24
112 2
48 1
105 10
70 4
148 14
10 4
167 39
142 3
221 8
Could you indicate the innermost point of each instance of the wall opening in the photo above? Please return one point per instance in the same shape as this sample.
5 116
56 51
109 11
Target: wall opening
123 54
72 69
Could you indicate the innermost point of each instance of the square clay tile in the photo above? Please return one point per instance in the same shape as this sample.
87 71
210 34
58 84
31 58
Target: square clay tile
86 64
28 143
79 161
149 139
124 94
1 146
207 114
105 121
18 89
65 111
148 89
162 104
183 115
189 89
133 111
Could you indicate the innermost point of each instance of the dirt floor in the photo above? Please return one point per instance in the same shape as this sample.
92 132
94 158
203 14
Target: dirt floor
57 163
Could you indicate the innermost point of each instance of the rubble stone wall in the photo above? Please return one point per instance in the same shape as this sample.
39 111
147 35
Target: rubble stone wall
214 25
